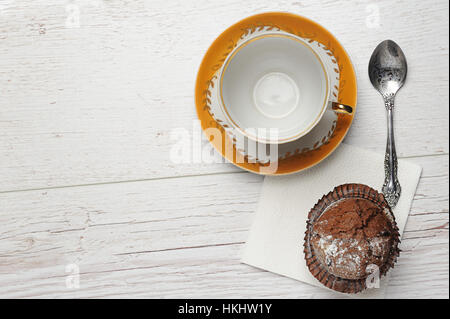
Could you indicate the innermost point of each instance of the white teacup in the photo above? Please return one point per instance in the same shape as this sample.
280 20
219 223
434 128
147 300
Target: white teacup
275 81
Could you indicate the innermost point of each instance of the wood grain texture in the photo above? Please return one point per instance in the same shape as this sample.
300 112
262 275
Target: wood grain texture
168 238
86 119
98 103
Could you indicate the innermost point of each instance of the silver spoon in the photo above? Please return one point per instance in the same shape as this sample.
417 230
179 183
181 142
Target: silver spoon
387 72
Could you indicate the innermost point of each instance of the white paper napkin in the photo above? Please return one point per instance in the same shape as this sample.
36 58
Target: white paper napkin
276 237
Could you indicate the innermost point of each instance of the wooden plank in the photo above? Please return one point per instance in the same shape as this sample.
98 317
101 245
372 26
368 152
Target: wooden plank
215 272
98 103
173 237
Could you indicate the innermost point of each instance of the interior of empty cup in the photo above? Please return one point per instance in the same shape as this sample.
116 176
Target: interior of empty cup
274 82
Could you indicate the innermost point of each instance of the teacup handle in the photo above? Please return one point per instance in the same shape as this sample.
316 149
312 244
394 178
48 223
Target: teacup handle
341 108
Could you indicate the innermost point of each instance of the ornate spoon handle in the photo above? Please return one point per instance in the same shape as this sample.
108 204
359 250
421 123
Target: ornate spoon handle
391 187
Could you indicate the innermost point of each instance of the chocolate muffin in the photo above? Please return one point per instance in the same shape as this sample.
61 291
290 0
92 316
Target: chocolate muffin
349 232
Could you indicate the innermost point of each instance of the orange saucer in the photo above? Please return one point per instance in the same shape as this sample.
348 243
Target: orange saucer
224 45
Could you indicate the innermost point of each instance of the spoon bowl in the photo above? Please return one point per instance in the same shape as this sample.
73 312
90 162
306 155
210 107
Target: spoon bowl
388 68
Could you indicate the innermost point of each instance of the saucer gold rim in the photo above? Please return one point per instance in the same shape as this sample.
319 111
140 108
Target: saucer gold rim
297 25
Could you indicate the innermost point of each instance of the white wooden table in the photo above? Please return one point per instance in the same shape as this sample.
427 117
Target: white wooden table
90 92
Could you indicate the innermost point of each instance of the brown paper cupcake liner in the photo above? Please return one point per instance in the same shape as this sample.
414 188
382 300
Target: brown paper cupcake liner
317 269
